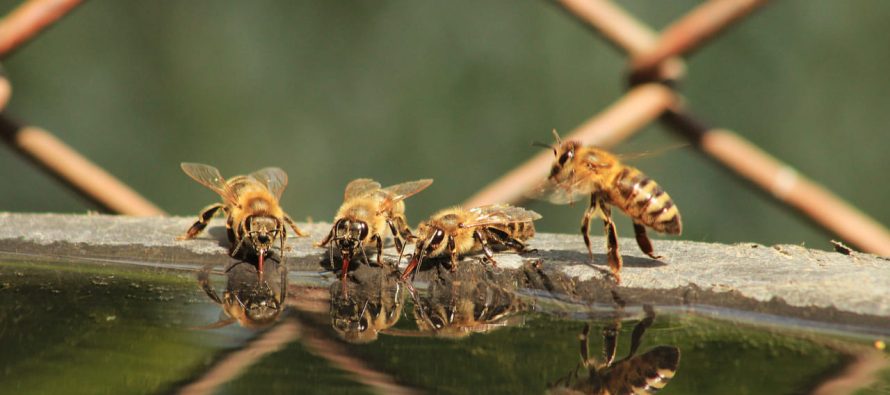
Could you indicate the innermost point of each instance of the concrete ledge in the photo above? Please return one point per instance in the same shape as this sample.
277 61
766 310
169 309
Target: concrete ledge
785 280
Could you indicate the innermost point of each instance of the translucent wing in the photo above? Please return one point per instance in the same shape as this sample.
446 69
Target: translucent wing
399 192
631 156
499 214
557 192
273 178
360 187
209 177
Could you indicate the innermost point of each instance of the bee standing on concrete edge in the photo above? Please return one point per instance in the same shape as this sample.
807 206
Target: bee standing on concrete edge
367 211
253 216
458 231
579 171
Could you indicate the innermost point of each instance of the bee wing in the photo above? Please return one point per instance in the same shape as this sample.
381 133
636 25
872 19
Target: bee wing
399 192
499 214
359 187
209 177
556 192
653 370
273 178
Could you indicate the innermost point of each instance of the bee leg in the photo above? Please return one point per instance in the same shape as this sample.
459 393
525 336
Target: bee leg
644 242
327 239
515 244
282 293
585 224
610 340
203 219
640 329
614 256
379 250
584 340
396 235
452 249
486 249
281 246
293 226
204 280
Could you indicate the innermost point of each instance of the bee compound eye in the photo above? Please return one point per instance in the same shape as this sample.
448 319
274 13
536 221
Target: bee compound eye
437 238
362 230
363 324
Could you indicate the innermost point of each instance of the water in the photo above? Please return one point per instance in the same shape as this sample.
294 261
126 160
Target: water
104 328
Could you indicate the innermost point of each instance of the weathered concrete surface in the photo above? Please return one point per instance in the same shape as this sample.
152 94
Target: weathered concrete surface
786 280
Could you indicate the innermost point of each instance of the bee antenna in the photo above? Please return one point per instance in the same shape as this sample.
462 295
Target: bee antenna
540 144
556 135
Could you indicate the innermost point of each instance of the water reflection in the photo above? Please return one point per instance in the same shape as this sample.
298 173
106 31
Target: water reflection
645 373
464 302
252 299
367 301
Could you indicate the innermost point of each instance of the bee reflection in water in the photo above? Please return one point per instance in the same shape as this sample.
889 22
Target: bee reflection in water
368 301
465 302
642 374
252 299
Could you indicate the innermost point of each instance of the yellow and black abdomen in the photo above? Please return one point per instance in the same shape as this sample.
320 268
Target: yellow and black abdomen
521 230
645 201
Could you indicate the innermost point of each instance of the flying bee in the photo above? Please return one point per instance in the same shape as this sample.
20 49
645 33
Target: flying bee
643 374
367 211
253 216
464 305
248 299
372 304
579 171
458 231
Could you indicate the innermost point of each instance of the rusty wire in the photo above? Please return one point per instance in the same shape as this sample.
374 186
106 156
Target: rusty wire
42 147
29 19
655 59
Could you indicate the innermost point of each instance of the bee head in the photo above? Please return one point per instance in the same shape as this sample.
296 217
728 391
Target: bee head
262 311
262 231
351 320
258 306
433 241
349 234
564 154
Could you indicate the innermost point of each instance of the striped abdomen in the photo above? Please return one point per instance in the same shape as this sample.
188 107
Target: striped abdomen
644 201
518 230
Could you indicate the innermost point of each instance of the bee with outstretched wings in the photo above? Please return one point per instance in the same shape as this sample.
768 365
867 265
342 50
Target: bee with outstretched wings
254 218
367 212
580 171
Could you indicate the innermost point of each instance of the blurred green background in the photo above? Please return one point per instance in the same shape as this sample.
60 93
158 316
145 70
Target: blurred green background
455 91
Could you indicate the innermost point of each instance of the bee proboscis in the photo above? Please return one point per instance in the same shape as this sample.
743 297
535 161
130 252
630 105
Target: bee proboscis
254 217
458 231
579 171
367 211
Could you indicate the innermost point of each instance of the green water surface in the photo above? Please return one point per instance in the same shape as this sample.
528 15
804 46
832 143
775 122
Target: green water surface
94 329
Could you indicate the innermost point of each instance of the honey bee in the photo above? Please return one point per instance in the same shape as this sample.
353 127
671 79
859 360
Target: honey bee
458 307
248 299
367 211
581 170
458 231
372 305
643 374
253 216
